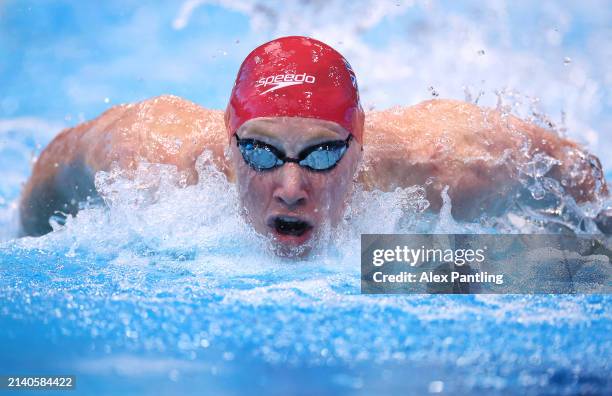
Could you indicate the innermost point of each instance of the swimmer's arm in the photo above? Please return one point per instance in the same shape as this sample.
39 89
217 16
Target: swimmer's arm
579 172
62 176
480 154
166 130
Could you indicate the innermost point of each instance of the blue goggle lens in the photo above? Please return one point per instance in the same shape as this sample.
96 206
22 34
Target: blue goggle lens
320 157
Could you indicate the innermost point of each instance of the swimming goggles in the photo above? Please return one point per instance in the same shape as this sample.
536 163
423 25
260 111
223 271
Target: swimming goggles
319 157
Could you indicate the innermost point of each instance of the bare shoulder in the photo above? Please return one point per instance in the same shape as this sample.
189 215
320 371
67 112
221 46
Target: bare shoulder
164 129
475 151
443 126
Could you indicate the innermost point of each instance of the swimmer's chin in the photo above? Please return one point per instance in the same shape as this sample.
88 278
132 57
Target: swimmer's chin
292 252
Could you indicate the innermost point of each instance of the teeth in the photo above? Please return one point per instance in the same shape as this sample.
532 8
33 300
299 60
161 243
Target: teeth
289 219
290 225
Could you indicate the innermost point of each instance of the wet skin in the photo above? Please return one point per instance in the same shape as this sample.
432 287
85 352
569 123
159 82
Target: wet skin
475 151
275 199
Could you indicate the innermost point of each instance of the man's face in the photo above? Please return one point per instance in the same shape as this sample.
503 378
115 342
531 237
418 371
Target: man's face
290 203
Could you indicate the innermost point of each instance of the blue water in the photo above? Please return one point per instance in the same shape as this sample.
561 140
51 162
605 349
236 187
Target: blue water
172 292
169 292
169 322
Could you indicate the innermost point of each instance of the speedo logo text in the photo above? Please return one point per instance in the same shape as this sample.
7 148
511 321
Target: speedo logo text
284 80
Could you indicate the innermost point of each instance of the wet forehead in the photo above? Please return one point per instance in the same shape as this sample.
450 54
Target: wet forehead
292 130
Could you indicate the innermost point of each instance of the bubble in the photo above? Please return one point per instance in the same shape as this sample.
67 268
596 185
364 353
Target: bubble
537 191
174 375
435 387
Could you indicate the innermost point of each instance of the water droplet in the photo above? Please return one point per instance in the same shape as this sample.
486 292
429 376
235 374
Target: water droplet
537 191
173 375
435 387
433 92
106 100
567 60
481 52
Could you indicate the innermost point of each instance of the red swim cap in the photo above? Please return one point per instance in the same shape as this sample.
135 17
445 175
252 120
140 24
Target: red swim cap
296 77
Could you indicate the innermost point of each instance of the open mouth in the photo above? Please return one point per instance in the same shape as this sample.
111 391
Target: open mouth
289 225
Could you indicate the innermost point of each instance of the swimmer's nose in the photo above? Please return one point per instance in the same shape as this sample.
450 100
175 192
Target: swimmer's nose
291 190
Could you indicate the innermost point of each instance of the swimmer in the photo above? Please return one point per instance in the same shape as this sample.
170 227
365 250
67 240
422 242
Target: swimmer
298 140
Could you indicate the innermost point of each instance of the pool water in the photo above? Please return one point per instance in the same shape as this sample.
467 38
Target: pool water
166 291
